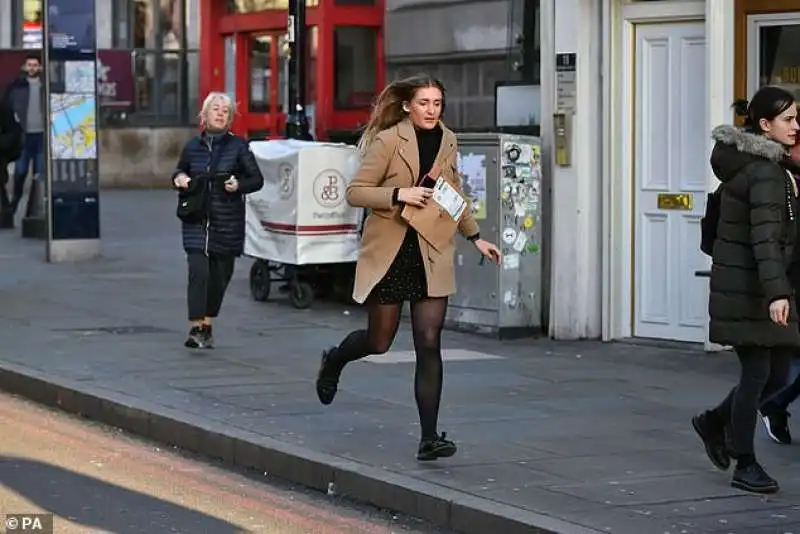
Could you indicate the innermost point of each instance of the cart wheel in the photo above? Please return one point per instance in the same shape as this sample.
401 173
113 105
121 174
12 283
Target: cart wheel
301 295
260 283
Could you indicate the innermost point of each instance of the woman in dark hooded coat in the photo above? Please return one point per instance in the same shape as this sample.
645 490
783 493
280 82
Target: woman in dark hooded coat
751 302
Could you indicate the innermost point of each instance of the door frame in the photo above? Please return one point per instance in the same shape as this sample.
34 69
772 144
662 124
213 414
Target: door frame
619 186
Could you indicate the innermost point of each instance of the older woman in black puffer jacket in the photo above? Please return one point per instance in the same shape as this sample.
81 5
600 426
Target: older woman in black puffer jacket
213 242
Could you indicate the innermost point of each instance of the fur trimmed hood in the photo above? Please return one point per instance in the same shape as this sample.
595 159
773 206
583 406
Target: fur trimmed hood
737 148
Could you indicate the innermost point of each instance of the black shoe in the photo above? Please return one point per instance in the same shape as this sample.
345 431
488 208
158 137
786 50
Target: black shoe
327 378
208 336
433 449
753 478
196 339
714 441
777 424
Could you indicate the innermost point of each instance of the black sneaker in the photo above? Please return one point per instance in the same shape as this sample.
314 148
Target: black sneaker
713 440
196 339
753 478
433 449
208 336
327 378
777 424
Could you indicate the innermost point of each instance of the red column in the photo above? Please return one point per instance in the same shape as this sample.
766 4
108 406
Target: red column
381 52
212 48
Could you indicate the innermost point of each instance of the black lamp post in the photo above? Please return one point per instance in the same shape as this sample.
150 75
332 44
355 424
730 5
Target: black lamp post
297 122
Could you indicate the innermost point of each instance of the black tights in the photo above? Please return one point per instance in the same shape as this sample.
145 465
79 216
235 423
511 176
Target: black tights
764 372
427 320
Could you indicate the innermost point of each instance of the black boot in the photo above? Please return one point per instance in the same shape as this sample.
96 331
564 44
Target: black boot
328 376
713 436
196 339
6 210
750 476
435 448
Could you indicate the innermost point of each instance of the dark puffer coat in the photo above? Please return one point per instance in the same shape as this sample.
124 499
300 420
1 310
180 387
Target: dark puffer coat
755 241
223 232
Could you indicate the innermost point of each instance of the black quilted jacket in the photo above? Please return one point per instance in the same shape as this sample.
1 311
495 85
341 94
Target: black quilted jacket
755 241
223 232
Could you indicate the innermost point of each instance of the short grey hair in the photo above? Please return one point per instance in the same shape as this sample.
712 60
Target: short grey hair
211 99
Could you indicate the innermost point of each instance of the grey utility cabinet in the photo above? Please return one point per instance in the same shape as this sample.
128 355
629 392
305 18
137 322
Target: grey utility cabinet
502 176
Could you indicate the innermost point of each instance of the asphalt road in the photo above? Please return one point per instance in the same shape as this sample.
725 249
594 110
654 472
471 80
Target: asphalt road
96 479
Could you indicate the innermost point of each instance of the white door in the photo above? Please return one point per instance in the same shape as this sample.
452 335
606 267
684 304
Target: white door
670 165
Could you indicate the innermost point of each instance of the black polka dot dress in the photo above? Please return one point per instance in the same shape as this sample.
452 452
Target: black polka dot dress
406 280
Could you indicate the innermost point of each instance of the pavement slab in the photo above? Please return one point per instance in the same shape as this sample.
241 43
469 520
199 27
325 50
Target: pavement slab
556 437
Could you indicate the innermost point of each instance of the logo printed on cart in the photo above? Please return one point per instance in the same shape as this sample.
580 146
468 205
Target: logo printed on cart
329 186
285 181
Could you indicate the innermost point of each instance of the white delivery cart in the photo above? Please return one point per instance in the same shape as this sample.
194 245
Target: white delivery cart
299 227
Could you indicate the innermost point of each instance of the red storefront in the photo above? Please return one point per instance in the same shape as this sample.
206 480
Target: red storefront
242 52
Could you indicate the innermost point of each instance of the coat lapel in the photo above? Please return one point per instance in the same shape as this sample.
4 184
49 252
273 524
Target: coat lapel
447 147
408 149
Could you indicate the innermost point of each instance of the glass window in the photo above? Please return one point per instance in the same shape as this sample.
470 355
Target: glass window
355 66
251 6
193 85
121 15
166 71
777 61
144 25
171 27
169 86
144 74
260 74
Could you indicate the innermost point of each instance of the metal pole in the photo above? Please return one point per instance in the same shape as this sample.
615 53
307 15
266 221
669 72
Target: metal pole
297 121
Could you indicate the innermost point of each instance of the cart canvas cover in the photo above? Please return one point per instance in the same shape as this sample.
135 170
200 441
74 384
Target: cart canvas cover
301 215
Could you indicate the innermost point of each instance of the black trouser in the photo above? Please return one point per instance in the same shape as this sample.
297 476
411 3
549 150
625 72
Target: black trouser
764 372
5 202
780 401
208 279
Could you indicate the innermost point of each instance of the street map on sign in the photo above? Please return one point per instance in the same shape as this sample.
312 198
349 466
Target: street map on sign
73 128
80 77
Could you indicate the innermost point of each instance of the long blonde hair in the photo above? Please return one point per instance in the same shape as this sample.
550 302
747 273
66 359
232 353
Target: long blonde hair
388 108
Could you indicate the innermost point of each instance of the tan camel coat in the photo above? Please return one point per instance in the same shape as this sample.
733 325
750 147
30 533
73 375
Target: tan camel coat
392 161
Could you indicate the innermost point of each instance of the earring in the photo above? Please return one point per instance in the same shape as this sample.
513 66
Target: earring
405 108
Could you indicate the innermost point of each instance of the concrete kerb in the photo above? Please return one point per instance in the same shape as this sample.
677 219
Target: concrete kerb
438 505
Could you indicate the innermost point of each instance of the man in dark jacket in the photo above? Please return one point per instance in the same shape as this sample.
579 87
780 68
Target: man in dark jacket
26 97
775 410
11 139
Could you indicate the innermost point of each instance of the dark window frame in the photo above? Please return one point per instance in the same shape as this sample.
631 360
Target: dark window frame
155 117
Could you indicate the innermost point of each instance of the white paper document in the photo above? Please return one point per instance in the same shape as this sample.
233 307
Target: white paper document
449 199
